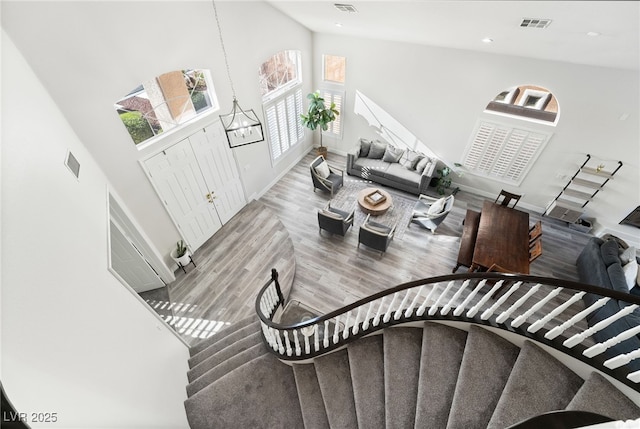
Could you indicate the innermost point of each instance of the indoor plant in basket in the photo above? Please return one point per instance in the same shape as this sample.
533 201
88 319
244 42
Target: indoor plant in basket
319 115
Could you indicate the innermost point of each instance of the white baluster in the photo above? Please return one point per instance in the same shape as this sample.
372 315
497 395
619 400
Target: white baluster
296 343
307 346
535 327
447 307
578 338
272 339
345 333
387 315
279 340
473 310
434 308
489 312
623 359
287 343
460 309
398 313
325 341
376 320
355 327
365 324
424 304
596 349
575 319
634 376
316 338
409 310
506 314
523 317
336 330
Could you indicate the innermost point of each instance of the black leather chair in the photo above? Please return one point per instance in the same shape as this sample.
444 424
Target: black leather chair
334 220
331 183
375 235
507 197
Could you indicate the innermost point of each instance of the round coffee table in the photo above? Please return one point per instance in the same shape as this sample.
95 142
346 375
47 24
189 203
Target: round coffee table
374 209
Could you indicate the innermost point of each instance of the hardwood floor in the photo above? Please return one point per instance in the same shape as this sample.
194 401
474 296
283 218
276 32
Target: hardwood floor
330 271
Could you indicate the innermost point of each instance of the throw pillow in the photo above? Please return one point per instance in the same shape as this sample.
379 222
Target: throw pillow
630 273
609 252
392 154
437 206
635 291
377 149
628 254
331 214
411 159
617 278
322 169
365 145
422 164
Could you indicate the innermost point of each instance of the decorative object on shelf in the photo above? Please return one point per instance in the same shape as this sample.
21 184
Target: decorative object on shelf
579 191
319 115
241 126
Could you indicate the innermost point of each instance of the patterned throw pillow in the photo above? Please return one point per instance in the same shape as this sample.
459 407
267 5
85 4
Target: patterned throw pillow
322 169
392 154
410 159
365 145
377 149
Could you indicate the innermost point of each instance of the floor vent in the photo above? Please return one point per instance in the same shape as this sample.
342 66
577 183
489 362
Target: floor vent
345 7
72 164
535 23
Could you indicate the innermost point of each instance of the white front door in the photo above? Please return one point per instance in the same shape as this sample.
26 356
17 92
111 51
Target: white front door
177 177
219 170
129 263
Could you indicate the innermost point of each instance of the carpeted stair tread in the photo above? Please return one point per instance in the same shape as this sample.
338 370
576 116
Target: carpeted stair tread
230 338
366 360
224 354
310 396
334 379
402 348
441 357
226 367
484 371
538 383
259 394
222 333
599 396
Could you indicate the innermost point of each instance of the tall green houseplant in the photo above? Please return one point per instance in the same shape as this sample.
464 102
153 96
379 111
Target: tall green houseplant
319 115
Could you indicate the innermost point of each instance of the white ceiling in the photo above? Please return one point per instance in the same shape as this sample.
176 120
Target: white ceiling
463 25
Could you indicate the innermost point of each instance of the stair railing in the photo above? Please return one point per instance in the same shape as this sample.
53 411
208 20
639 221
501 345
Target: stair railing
547 310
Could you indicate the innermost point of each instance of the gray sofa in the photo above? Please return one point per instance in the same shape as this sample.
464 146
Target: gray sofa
383 163
599 264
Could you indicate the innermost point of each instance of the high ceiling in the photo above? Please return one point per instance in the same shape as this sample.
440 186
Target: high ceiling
599 33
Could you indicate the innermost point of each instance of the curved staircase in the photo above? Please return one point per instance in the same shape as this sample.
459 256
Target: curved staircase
428 375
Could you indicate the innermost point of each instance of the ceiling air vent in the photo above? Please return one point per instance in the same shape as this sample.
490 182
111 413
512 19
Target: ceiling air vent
345 7
72 164
535 23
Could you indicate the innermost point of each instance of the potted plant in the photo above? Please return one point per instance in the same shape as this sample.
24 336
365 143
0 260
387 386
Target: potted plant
181 254
319 115
444 181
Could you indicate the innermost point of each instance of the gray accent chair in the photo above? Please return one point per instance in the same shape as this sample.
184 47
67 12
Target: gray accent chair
334 220
376 235
421 214
330 184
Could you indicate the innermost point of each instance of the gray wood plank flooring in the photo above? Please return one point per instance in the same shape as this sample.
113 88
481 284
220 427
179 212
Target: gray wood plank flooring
330 271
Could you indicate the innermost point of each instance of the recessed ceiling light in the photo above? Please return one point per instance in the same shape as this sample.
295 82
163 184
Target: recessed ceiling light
487 40
593 34
338 24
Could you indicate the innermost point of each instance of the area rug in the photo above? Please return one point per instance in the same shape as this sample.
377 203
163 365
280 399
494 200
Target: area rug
399 215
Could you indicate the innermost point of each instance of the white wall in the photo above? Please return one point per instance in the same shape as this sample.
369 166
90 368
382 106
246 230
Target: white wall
74 341
439 94
89 54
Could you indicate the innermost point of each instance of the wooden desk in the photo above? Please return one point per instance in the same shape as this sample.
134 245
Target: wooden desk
503 239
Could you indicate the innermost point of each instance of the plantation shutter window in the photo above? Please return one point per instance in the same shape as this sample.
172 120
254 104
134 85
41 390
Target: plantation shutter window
502 152
284 128
330 96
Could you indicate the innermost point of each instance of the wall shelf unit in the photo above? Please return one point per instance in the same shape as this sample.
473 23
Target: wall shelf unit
580 191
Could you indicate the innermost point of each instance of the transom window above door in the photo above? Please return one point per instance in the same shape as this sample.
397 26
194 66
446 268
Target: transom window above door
165 102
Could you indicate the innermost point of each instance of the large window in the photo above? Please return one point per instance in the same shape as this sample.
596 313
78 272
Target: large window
165 102
282 101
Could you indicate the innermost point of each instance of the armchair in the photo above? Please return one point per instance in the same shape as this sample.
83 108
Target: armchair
376 235
325 177
430 212
334 220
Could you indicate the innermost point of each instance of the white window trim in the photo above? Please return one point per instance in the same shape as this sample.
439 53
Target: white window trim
275 130
337 96
502 152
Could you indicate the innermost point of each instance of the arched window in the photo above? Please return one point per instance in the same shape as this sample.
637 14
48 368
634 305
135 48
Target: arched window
165 102
527 102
